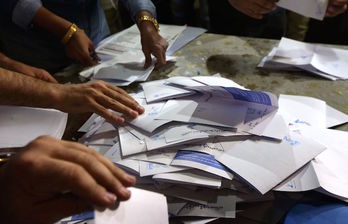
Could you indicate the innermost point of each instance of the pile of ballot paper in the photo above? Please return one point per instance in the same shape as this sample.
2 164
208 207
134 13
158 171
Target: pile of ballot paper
207 144
122 59
327 62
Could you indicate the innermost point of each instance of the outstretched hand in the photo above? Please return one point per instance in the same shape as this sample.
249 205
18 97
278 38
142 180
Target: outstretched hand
98 97
51 179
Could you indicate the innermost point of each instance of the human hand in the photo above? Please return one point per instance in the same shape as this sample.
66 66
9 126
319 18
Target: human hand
254 8
51 179
22 68
97 97
336 7
80 48
35 72
152 43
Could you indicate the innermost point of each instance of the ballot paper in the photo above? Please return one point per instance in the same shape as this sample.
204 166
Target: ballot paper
213 107
327 62
310 8
201 161
20 125
150 169
129 39
123 52
330 166
309 111
190 177
189 34
161 90
143 207
224 207
254 160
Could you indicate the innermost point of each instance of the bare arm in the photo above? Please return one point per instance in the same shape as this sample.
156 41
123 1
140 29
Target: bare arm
20 67
97 97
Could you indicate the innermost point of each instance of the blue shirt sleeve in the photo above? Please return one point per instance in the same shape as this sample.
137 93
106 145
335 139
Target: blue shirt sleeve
24 12
134 6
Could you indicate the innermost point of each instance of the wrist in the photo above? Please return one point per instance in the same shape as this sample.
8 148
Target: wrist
146 22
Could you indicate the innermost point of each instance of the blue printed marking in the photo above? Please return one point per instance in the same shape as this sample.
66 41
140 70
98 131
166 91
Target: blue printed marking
83 216
298 121
291 141
201 158
249 96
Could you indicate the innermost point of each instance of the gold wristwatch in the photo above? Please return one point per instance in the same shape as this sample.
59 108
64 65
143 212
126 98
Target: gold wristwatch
141 19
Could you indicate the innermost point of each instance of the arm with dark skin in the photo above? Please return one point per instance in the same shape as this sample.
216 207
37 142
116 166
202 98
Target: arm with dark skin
79 47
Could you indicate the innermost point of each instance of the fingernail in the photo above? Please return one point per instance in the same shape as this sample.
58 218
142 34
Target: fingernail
125 192
130 178
110 198
134 113
140 108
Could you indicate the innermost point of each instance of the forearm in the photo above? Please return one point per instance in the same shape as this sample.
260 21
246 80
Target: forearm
50 22
21 90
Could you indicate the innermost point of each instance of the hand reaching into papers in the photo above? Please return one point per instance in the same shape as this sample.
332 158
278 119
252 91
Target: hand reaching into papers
254 8
19 67
98 97
336 7
152 43
50 179
80 48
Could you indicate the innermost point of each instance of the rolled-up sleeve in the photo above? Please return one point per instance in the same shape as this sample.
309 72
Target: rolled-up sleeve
134 6
24 12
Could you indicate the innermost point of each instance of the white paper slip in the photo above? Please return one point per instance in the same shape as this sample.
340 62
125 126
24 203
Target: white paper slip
189 34
148 120
310 8
335 117
123 73
114 154
304 179
106 134
302 110
331 165
224 207
150 169
253 160
327 62
144 207
217 81
201 161
160 90
191 177
20 125
130 143
204 110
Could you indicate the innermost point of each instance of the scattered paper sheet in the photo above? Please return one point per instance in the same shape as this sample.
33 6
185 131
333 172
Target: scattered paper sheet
20 125
320 60
310 8
144 207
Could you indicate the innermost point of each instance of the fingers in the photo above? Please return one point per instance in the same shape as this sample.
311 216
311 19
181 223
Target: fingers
148 59
73 177
126 179
44 75
124 99
95 166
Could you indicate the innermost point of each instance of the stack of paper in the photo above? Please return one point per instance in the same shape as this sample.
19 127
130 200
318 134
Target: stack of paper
123 59
327 62
208 144
20 125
